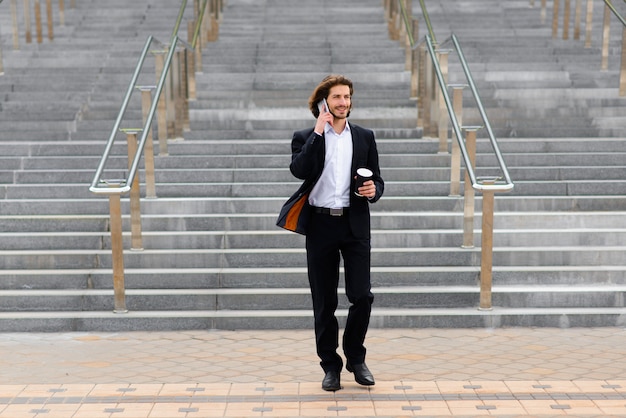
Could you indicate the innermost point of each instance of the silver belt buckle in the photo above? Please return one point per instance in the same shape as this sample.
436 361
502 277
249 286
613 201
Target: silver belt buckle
336 212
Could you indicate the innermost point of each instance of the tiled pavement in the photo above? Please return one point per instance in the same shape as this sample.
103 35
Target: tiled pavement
419 372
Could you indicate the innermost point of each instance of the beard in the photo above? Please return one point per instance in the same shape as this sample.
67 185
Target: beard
341 117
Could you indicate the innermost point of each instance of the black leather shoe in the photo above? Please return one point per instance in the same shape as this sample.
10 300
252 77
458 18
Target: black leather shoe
362 374
331 381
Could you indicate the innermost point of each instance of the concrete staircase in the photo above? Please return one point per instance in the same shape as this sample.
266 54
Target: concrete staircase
213 257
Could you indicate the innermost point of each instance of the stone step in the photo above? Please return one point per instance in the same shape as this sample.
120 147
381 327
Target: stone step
249 159
289 277
410 188
268 257
410 297
509 236
248 146
36 213
264 189
404 220
385 146
521 174
272 277
281 161
107 321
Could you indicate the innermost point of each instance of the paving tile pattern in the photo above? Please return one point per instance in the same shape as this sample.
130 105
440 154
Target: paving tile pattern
420 372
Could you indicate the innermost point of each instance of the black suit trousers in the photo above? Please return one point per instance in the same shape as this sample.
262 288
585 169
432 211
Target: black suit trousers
328 239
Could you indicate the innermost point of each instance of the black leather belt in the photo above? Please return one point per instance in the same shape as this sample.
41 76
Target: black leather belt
331 212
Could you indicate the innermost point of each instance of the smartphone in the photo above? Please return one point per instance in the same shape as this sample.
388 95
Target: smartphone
322 106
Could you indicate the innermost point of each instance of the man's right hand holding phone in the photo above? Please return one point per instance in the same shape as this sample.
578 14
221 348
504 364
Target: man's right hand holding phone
324 118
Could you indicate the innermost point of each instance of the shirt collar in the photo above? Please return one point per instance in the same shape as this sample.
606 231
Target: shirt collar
328 128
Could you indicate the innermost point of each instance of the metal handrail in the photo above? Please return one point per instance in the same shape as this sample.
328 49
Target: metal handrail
196 31
106 187
431 42
429 26
483 115
615 12
100 186
405 18
476 184
179 20
96 182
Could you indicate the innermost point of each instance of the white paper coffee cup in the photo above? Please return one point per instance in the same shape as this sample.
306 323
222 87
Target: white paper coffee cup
362 175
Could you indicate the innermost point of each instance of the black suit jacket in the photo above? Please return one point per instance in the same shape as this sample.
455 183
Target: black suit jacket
307 162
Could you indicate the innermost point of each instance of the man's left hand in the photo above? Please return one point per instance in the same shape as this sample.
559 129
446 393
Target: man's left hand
368 189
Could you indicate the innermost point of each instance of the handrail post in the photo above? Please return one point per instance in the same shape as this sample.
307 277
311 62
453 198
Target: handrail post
177 95
469 193
577 19
182 119
170 102
184 87
422 91
16 31
544 11
1 61
605 37
219 8
215 23
49 19
442 117
622 73
220 4
117 250
455 153
566 13
435 95
38 28
393 20
555 19
159 65
62 12
196 9
198 56
486 259
205 25
414 60
135 193
402 32
146 102
27 27
429 85
397 19
191 63
589 24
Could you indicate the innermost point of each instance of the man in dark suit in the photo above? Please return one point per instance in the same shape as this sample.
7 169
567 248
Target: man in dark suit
334 215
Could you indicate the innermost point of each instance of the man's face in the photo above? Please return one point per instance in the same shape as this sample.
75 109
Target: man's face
339 101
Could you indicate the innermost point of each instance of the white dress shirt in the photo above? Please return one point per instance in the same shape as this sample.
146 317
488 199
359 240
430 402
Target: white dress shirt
332 190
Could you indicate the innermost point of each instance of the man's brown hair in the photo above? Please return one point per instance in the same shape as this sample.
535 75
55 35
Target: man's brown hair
323 90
